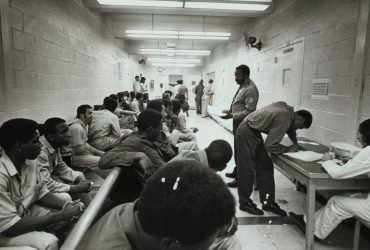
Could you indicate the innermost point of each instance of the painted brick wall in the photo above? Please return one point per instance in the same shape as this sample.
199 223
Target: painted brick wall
62 55
329 31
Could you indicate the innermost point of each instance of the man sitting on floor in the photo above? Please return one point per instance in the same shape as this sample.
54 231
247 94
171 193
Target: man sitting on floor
28 210
346 206
275 120
59 178
181 131
84 155
104 130
183 206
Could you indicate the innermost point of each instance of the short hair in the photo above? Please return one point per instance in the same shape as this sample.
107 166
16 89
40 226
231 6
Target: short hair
145 96
110 104
81 110
114 96
50 125
120 96
166 96
179 81
126 93
16 130
176 106
210 81
364 129
169 92
185 201
307 117
139 95
156 105
142 79
132 94
148 118
244 69
137 77
219 153
166 103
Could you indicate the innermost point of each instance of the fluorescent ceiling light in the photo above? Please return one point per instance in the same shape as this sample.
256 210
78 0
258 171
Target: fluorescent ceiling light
143 3
172 34
152 36
173 65
175 52
205 37
174 60
197 33
226 6
155 32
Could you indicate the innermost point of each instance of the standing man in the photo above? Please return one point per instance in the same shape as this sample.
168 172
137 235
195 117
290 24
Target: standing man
244 102
199 91
275 120
136 85
209 92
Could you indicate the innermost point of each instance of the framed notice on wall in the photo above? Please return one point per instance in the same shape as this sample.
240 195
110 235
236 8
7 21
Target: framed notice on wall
120 71
320 88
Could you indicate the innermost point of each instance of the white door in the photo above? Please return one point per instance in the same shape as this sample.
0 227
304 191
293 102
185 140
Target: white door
288 74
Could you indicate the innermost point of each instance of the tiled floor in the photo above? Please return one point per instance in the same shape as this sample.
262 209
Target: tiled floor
269 232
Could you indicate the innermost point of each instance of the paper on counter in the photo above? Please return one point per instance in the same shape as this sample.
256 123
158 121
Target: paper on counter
305 155
308 142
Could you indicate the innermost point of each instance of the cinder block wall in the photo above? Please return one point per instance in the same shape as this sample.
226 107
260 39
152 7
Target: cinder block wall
329 30
61 55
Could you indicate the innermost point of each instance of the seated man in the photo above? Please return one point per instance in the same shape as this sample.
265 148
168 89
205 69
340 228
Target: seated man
342 207
168 149
84 155
59 178
28 210
104 130
183 206
130 184
275 120
181 131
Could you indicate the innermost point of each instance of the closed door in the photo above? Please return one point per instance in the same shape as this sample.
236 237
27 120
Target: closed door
288 74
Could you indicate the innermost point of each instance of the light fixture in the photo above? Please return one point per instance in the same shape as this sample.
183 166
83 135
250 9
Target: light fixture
175 52
172 34
143 3
226 6
173 60
187 65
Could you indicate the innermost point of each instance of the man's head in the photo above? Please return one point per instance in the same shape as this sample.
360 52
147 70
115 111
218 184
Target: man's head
84 113
210 81
176 107
169 92
142 80
145 96
302 119
139 96
114 96
241 74
201 82
137 78
21 138
110 104
168 106
166 96
184 205
179 81
363 134
158 106
56 132
132 95
219 153
150 123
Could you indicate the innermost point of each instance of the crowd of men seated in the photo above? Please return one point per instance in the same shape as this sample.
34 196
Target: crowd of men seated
41 196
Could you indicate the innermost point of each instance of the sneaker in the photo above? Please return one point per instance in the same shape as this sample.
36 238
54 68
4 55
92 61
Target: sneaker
251 208
299 220
232 184
231 174
274 208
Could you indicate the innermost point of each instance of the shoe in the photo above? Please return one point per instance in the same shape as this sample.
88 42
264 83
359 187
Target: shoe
298 219
232 174
232 184
251 208
274 208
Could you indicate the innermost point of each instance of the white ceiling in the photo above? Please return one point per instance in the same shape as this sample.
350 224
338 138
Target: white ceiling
150 18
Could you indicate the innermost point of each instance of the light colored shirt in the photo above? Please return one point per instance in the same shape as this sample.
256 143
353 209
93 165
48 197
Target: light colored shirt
245 102
53 168
199 156
209 89
136 87
181 123
18 190
104 129
135 106
359 165
275 120
79 144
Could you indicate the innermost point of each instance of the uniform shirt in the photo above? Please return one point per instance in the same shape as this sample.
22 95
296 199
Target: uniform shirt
18 190
79 144
136 87
275 120
104 124
199 156
182 89
199 90
359 165
52 166
245 102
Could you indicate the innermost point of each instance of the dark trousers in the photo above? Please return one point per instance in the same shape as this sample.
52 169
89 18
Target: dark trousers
198 104
252 160
235 127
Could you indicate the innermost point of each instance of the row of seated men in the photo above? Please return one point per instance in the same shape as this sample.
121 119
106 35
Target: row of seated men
41 196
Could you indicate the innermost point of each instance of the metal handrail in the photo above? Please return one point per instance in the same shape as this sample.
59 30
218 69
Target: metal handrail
79 230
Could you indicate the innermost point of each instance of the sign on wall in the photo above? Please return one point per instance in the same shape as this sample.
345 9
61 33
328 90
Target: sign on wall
320 88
